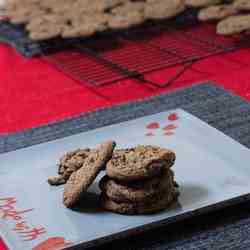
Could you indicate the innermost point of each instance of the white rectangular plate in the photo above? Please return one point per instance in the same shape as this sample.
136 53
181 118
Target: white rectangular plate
211 169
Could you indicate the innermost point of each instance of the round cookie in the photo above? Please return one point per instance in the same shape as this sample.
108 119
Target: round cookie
23 15
126 15
233 24
139 163
126 20
80 180
139 191
160 202
242 5
217 12
163 9
44 27
202 3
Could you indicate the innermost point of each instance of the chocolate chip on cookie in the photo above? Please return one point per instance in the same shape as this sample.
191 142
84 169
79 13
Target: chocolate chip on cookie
80 180
139 163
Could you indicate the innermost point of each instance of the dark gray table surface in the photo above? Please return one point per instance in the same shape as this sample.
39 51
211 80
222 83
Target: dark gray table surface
228 228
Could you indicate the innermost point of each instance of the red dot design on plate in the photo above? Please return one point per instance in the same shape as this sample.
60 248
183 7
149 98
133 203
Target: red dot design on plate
173 117
150 134
153 125
169 133
53 243
170 127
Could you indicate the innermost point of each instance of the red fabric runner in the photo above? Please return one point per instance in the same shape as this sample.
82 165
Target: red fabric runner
33 93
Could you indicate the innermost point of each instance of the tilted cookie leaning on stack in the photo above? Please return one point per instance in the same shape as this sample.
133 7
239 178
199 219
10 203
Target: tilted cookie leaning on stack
138 180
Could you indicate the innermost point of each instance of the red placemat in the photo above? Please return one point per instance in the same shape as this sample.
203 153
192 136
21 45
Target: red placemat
33 93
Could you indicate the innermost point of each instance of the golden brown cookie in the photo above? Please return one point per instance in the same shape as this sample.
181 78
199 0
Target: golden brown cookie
163 9
126 15
202 3
234 24
217 12
80 180
85 26
242 5
137 191
139 163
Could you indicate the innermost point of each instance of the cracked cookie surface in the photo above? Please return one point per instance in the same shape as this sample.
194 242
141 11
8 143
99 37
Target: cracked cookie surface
139 163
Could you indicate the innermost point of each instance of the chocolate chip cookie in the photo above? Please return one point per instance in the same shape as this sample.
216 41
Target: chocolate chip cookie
163 9
202 3
217 12
80 180
68 164
137 191
160 202
242 5
127 15
139 163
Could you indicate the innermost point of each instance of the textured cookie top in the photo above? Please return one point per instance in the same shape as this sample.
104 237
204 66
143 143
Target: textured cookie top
243 5
137 191
217 12
139 163
234 24
80 180
202 3
72 161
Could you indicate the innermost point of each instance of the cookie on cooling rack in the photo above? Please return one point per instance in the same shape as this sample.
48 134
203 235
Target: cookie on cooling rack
217 12
126 15
202 3
234 24
242 5
163 9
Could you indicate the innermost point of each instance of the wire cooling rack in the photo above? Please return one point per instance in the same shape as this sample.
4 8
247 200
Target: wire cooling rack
136 53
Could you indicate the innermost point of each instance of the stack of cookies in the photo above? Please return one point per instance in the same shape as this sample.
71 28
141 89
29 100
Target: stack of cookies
233 16
138 180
